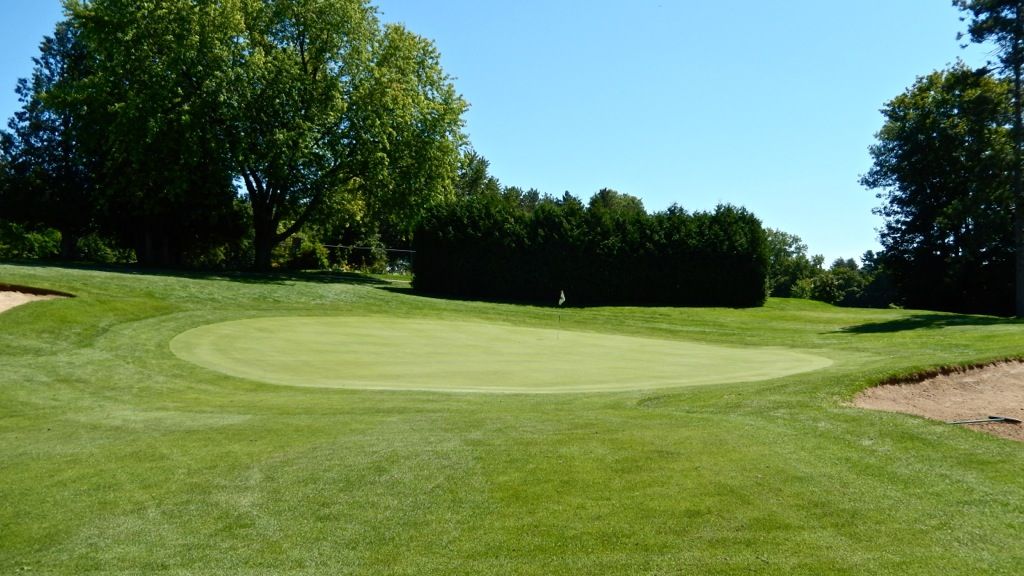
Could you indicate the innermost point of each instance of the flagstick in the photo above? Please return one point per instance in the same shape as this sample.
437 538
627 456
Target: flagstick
561 300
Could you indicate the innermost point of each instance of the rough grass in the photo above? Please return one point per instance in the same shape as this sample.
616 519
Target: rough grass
118 457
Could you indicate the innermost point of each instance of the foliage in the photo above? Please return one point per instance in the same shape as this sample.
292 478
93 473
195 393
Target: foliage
20 243
406 132
996 21
942 162
97 249
1002 23
472 247
46 176
840 285
147 120
609 252
473 176
845 283
301 253
150 117
788 262
329 103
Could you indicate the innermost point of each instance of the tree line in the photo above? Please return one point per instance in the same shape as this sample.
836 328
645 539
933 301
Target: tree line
947 167
193 133
510 245
183 133
794 273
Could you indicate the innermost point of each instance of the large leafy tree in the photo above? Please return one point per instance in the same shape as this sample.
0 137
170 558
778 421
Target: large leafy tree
47 174
297 64
300 107
406 121
153 118
1002 22
943 163
788 262
474 178
327 102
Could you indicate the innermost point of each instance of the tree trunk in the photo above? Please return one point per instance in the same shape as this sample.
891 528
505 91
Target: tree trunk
263 250
68 245
1018 178
145 255
264 240
1018 240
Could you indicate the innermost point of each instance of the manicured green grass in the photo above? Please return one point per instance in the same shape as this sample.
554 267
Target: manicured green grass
117 456
444 355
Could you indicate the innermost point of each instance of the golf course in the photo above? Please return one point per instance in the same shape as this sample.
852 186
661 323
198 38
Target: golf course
328 423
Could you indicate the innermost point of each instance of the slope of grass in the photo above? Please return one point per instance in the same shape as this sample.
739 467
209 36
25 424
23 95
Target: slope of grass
118 457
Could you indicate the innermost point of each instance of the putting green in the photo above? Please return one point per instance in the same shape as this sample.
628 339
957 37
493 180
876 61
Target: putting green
398 354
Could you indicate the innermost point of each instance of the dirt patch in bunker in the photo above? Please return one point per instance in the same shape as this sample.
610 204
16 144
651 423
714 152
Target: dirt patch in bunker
971 394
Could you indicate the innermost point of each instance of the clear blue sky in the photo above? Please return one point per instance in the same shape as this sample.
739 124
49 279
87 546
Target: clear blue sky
768 105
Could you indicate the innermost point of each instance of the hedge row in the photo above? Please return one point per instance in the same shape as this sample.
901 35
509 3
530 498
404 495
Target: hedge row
491 247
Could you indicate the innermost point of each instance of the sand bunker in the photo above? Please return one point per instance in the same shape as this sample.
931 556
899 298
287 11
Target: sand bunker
9 300
996 390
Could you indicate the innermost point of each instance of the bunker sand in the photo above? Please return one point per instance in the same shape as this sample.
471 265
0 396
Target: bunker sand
9 299
996 390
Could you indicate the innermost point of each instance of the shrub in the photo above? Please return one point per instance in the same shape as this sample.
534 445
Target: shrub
610 252
18 242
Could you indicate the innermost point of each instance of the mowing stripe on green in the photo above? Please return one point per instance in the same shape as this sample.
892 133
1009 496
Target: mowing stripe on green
382 353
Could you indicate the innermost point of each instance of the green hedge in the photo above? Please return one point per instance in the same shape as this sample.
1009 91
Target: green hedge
491 247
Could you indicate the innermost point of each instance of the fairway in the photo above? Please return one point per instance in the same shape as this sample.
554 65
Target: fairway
308 424
439 355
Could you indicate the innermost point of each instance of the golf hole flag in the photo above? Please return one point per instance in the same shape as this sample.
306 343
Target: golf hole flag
561 298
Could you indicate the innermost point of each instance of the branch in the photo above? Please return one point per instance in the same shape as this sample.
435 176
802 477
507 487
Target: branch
306 214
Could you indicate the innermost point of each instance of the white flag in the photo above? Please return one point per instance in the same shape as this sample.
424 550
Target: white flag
561 298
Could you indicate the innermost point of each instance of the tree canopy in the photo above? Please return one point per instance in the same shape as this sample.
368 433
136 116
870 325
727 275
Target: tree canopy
609 251
788 262
46 176
943 163
1002 22
199 120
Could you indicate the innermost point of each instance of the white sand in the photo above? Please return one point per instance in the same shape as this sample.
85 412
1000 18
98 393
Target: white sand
9 300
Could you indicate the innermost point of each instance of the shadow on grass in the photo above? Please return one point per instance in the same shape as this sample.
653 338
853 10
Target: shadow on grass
286 277
551 302
928 322
278 277
407 290
33 290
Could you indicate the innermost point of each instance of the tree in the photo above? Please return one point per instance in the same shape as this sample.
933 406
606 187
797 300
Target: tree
152 116
327 102
298 106
612 252
879 291
528 200
788 262
618 231
474 177
942 162
615 203
47 175
1002 22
